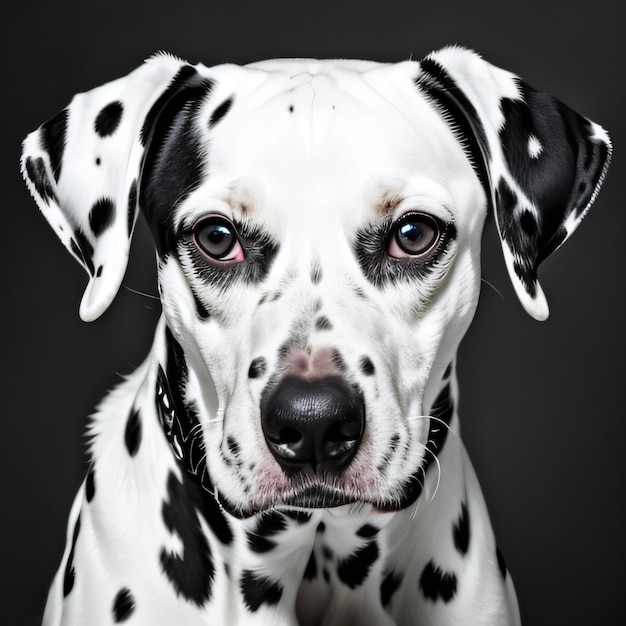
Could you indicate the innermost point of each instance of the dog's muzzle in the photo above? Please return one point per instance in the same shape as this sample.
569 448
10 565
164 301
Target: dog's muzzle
313 425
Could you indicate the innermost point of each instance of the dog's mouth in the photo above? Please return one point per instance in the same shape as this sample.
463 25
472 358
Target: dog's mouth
325 495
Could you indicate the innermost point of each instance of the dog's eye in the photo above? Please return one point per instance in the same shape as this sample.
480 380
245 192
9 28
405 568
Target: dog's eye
413 235
217 238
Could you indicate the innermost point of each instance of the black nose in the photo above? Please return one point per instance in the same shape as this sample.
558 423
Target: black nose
313 424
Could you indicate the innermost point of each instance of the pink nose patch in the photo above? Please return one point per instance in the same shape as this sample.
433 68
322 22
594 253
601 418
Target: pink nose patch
322 363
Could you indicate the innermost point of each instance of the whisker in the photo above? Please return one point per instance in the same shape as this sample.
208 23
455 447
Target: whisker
483 280
140 293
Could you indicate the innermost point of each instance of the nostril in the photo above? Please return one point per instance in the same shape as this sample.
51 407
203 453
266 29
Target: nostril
289 436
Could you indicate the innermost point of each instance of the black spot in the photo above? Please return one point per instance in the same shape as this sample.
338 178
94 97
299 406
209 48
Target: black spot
257 368
461 531
367 531
366 365
123 605
501 563
268 525
132 433
311 568
448 371
191 573
220 112
354 569
99 271
90 483
53 137
389 586
316 273
233 446
327 553
101 215
108 119
98 161
70 573
258 590
337 360
323 323
37 174
437 584
291 108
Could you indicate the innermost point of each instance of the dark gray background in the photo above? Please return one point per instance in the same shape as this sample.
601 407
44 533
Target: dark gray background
541 403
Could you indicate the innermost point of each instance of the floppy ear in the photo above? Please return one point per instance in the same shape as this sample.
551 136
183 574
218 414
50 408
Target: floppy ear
541 164
83 168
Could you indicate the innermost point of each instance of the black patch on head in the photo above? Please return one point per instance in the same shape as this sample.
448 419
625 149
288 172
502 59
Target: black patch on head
53 138
354 570
268 525
436 583
108 119
192 573
174 161
461 531
310 571
389 586
37 174
501 563
123 605
366 365
257 368
90 483
132 433
323 323
257 590
132 206
220 112
70 573
460 115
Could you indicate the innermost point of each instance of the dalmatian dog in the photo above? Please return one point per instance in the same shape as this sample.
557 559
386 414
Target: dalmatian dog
289 452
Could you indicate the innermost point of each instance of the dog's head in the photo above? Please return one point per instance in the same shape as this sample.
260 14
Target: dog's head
317 226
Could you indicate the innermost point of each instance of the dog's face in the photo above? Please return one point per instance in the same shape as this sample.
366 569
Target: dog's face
318 228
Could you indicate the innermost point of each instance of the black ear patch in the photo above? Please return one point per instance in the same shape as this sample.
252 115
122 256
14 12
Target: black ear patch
109 118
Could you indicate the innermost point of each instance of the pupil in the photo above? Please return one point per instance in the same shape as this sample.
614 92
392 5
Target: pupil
411 231
218 234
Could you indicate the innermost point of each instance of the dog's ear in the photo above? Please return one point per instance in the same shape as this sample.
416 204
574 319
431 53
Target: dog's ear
541 164
83 168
